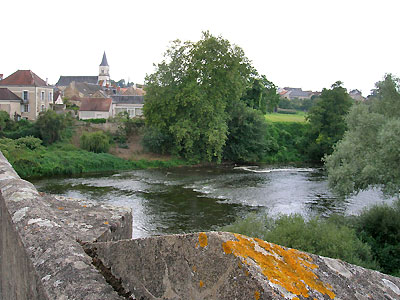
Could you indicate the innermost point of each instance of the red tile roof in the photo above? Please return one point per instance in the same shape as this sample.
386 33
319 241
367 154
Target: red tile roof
6 94
95 104
23 77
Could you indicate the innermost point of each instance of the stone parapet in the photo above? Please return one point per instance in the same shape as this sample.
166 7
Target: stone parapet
41 254
220 265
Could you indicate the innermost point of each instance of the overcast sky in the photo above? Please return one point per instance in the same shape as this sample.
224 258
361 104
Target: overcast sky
308 44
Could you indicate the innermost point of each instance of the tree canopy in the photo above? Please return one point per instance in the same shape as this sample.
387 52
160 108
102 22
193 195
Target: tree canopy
327 120
191 94
369 153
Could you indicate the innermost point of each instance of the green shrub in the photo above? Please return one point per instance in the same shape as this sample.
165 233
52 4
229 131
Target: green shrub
379 226
318 236
96 142
155 141
95 121
29 142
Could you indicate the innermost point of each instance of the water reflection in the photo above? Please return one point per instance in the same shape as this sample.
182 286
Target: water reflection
197 199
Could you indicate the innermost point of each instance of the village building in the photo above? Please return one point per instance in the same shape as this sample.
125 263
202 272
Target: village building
10 103
35 93
132 105
95 108
103 79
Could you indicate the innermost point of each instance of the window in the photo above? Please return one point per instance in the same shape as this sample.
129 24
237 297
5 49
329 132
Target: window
42 108
25 95
50 97
42 96
25 108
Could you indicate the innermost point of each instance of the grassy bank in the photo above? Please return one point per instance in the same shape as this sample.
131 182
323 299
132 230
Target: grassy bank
65 159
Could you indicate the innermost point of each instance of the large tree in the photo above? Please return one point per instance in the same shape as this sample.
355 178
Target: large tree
261 95
191 92
327 123
369 154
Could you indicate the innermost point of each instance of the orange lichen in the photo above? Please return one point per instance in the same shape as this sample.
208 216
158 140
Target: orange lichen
106 222
194 268
288 268
84 205
60 208
257 295
203 241
201 284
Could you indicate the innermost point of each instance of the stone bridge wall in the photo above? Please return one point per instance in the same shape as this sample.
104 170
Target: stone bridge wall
41 256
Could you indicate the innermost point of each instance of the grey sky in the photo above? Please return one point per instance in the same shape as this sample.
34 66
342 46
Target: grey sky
308 44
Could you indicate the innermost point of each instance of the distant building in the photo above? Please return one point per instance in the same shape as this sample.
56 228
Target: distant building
10 103
103 79
356 95
132 105
95 108
295 93
35 93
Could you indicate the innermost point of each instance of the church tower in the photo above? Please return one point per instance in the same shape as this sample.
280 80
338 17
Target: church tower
104 71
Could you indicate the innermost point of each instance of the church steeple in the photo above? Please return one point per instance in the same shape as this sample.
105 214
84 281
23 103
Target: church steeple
104 71
104 60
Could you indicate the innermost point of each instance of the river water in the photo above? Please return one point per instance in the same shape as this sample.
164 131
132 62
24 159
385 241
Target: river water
189 199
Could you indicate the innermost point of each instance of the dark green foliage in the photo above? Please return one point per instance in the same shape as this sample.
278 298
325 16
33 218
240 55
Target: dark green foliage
95 121
97 142
50 126
247 140
318 236
4 119
261 95
287 112
188 95
379 227
327 121
21 128
297 104
154 140
286 142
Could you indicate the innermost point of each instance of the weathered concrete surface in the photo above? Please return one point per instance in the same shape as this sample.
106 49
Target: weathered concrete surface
219 265
40 252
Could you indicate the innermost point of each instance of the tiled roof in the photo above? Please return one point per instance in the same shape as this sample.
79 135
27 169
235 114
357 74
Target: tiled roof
66 80
24 78
122 99
95 104
6 94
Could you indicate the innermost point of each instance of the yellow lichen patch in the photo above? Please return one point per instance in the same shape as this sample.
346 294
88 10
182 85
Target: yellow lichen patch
201 283
203 241
257 295
288 268
106 222
84 205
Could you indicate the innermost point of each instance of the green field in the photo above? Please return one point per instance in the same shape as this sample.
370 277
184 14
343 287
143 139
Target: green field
276 117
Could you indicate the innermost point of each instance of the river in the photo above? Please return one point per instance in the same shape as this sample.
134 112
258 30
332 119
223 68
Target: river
190 199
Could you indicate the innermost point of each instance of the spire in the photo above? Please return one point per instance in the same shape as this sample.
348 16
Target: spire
104 60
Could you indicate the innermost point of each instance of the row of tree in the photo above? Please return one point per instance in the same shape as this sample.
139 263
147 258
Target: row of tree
206 102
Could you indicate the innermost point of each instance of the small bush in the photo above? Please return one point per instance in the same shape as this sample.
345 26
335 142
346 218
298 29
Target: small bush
95 121
29 142
96 142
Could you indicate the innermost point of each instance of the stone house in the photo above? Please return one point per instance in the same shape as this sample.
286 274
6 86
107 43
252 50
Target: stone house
133 105
95 108
10 103
35 93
